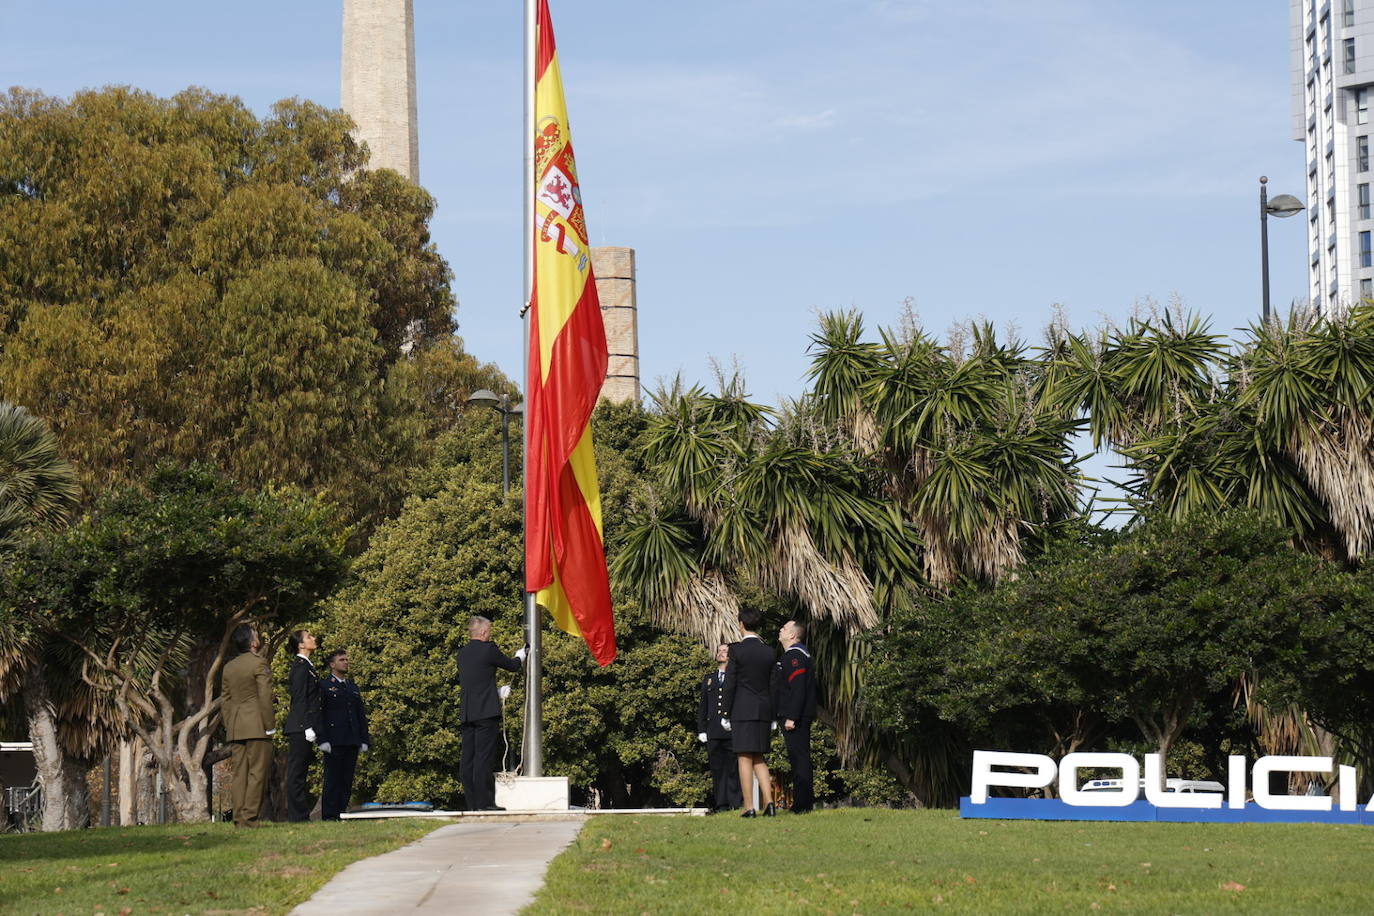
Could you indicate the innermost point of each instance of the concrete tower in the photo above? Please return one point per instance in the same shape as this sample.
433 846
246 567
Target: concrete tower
379 81
615 287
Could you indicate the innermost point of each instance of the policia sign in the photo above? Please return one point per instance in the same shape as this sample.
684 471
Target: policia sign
1245 798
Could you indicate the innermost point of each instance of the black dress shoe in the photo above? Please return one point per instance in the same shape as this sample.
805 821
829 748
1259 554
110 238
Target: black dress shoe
493 808
802 810
771 810
749 812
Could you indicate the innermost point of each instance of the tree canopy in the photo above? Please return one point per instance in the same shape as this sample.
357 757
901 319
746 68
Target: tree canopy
182 279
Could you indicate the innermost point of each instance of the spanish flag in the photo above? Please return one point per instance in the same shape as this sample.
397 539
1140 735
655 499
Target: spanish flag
565 562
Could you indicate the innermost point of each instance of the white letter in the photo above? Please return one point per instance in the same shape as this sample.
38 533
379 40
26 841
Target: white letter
984 776
1155 794
1285 764
1109 798
1347 788
1236 767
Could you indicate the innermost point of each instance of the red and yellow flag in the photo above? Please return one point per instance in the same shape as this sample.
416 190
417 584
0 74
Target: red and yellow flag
565 562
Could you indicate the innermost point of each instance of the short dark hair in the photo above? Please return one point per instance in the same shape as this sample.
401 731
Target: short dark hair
750 618
799 627
329 659
293 642
243 637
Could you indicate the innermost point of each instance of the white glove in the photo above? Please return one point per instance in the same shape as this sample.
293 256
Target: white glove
773 726
324 746
363 748
271 732
520 655
310 735
725 724
701 736
503 691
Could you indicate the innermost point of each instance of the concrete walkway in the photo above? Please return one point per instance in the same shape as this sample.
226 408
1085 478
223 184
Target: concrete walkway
477 866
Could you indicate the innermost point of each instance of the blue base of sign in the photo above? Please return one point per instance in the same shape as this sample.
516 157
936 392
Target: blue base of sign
1052 809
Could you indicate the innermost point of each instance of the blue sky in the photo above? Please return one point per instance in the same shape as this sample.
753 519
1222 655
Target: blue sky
769 159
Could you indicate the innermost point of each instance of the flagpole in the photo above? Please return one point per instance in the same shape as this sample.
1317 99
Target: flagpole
533 751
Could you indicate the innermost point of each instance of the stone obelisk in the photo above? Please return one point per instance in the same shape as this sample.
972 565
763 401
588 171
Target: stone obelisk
378 88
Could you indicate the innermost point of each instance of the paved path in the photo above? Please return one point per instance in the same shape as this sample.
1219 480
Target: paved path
478 866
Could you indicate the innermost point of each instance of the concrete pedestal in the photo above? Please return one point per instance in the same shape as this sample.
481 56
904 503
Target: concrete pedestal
532 793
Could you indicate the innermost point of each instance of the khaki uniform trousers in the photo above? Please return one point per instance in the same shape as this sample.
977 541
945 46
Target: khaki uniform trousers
251 760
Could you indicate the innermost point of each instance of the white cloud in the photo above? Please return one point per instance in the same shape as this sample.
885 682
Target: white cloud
823 120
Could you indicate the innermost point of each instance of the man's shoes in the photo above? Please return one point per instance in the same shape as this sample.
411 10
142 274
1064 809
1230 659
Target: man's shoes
771 810
749 812
802 810
493 808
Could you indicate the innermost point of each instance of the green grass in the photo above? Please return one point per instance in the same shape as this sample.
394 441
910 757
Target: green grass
875 861
194 868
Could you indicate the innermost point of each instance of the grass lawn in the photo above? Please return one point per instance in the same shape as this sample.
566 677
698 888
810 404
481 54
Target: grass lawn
194 868
874 861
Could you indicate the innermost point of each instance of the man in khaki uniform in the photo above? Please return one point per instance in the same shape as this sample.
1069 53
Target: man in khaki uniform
246 704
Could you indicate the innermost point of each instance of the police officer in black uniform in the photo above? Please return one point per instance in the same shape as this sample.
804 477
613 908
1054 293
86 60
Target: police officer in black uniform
479 713
343 733
725 792
794 704
302 723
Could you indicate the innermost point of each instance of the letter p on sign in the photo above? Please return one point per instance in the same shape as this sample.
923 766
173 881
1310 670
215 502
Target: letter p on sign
984 775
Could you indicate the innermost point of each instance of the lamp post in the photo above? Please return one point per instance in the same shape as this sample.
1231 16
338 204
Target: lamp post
501 404
1283 206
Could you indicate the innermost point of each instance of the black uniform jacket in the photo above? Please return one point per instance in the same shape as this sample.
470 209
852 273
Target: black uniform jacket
477 664
343 721
748 681
305 698
794 686
712 708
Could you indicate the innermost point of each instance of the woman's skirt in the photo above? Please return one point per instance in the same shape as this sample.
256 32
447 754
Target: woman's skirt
750 737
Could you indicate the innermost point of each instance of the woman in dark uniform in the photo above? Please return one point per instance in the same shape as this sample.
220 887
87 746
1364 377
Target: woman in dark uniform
748 697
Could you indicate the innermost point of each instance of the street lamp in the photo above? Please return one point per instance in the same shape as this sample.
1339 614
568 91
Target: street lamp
501 404
1283 206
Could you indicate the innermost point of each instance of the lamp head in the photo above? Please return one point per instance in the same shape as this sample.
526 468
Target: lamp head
1284 205
484 398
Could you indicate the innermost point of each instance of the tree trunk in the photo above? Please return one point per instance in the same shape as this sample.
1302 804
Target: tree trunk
130 762
66 802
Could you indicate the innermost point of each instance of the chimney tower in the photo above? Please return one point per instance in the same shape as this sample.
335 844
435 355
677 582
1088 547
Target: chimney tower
378 85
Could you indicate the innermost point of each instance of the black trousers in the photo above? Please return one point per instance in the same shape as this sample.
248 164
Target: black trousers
725 791
339 765
798 742
300 753
477 762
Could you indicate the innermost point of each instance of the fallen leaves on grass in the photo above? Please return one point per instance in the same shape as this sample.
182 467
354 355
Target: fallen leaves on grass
606 842
1233 886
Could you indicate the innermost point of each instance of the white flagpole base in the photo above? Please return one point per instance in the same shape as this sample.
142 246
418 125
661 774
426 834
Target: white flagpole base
531 793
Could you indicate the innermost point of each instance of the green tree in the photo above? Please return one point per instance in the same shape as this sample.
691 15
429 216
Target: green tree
625 732
146 588
1154 630
181 279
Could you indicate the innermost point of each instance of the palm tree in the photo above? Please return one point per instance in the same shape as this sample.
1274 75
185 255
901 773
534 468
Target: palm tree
910 464
1284 425
36 485
38 489
971 452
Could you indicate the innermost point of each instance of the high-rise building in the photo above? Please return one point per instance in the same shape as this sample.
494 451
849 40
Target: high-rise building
1333 85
